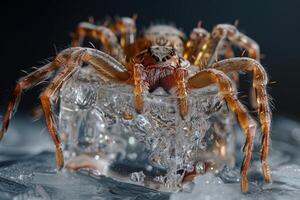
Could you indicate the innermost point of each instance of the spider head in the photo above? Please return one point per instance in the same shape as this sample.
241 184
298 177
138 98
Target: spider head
165 35
161 56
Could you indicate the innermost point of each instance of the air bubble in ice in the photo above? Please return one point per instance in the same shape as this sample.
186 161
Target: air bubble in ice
142 123
138 177
200 167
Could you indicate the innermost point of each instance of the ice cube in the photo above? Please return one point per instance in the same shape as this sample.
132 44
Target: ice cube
97 117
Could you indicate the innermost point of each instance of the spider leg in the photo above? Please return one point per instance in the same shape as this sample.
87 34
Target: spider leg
260 81
106 36
105 65
237 38
138 87
227 90
210 47
70 60
228 51
193 45
126 28
24 84
46 102
30 80
181 92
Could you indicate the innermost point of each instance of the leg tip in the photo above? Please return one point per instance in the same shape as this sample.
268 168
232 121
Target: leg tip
266 173
1 134
59 158
183 108
183 112
182 116
268 179
138 104
244 184
138 109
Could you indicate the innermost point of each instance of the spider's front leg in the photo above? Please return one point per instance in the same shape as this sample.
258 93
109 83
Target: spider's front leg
29 81
24 84
138 84
105 66
180 75
227 90
260 81
47 99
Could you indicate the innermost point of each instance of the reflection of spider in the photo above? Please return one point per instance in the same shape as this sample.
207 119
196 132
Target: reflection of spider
160 58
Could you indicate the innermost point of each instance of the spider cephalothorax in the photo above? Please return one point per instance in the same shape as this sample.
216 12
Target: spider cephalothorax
160 57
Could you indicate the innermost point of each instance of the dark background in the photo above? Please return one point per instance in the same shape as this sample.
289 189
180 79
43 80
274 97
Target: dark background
31 29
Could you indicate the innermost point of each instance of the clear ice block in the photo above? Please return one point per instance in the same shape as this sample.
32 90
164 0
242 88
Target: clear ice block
101 131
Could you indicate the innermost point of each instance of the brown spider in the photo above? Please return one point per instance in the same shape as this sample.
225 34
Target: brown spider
161 57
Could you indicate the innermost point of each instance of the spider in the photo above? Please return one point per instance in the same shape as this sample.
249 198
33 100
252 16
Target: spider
160 57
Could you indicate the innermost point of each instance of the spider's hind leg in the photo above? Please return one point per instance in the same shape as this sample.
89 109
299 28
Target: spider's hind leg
259 83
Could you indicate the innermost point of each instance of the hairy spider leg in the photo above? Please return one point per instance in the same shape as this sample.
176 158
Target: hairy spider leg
259 83
46 99
138 81
23 84
126 28
230 32
194 44
227 90
209 48
180 77
70 59
104 35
